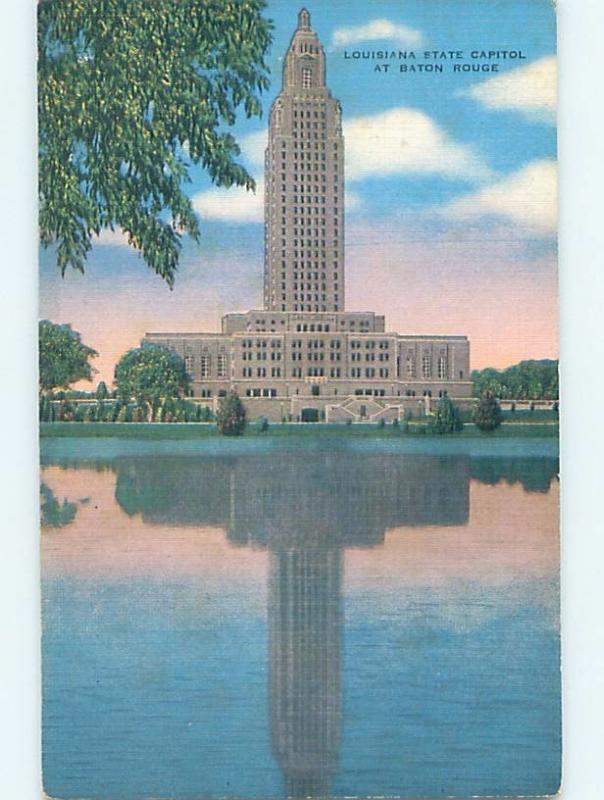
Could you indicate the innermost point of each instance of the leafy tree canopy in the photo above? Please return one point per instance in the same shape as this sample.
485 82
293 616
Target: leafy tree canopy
63 357
230 415
528 380
131 93
150 372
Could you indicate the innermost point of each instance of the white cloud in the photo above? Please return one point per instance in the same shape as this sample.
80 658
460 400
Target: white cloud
116 238
378 30
236 204
253 146
353 201
527 197
530 90
403 140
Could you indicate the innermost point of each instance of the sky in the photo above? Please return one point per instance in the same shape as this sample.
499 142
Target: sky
451 193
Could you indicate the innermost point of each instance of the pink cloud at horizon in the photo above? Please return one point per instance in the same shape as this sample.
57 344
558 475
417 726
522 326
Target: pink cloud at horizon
481 284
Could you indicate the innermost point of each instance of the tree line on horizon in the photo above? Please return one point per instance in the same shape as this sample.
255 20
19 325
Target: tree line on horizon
156 380
65 359
527 380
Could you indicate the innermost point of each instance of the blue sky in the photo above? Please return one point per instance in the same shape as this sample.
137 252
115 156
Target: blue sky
451 187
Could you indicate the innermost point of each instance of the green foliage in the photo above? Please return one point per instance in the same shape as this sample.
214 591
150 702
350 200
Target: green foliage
447 418
382 423
528 380
131 94
53 512
66 412
124 414
63 357
230 415
263 425
102 393
487 413
148 374
395 423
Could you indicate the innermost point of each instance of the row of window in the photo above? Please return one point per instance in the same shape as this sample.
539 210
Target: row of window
205 365
426 364
334 373
261 392
261 372
370 356
308 114
261 356
383 344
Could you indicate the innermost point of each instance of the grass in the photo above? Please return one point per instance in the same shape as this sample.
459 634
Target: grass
196 430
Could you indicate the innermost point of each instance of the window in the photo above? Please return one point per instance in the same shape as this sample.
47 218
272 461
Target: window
427 365
306 77
222 365
410 365
442 367
205 366
189 364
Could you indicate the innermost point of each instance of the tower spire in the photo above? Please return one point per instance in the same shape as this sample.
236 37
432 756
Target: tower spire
303 20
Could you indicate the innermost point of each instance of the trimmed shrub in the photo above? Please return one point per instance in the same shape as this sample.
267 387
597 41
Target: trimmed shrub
124 414
487 414
447 418
263 425
230 416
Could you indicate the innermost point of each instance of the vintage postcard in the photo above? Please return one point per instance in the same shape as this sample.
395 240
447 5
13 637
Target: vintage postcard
299 399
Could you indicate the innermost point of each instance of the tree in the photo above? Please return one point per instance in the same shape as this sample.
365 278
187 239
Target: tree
131 94
230 415
63 357
102 393
149 373
487 414
528 380
447 419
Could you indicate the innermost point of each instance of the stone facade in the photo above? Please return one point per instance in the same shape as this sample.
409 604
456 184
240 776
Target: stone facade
303 357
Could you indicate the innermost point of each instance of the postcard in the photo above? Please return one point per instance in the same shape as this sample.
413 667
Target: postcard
298 399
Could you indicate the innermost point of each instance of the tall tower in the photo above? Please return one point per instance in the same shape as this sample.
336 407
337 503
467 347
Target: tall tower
304 185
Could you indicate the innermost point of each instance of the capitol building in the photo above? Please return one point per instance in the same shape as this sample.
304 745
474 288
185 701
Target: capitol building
304 357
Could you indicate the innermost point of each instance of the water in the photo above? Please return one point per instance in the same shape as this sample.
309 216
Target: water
258 619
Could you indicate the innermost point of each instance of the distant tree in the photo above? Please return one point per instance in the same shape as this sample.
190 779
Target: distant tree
447 418
230 415
528 380
63 357
131 93
149 374
487 413
102 393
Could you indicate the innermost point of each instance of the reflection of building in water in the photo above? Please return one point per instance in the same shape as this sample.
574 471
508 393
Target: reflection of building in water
305 631
349 498
305 507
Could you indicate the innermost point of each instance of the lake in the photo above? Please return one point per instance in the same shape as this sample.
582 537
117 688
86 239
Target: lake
262 618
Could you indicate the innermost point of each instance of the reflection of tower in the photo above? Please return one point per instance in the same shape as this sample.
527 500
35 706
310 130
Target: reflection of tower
305 630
